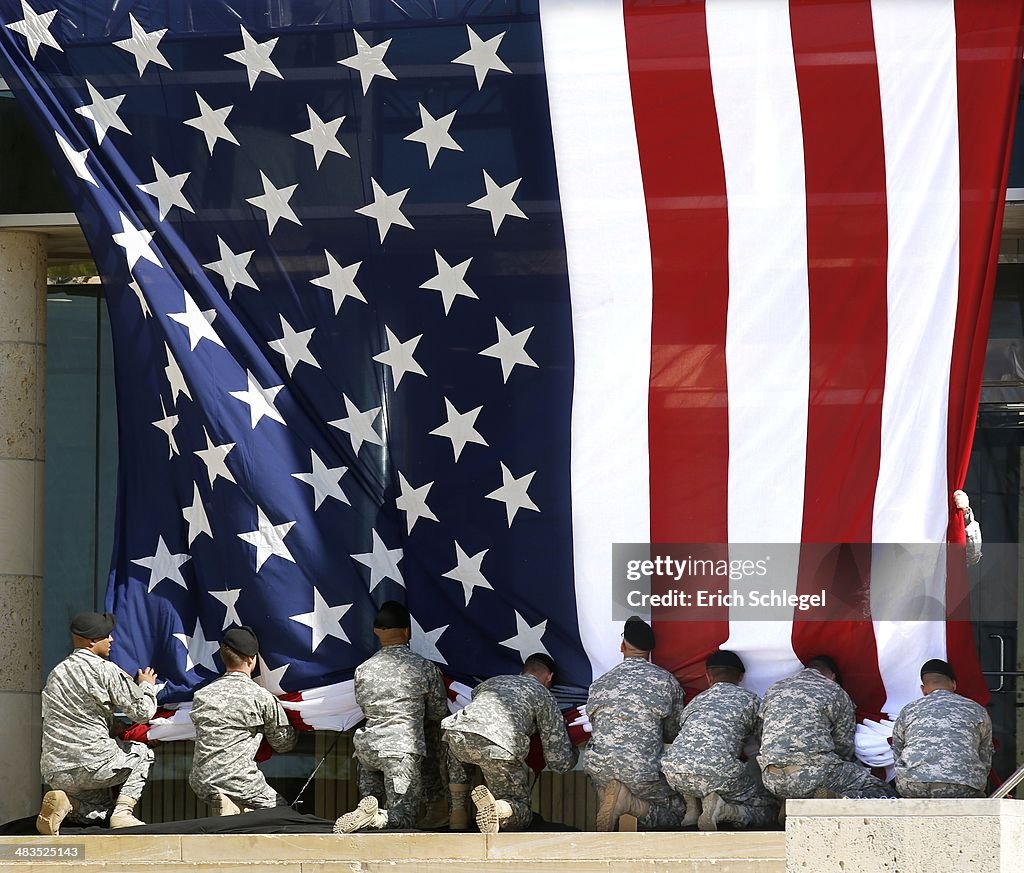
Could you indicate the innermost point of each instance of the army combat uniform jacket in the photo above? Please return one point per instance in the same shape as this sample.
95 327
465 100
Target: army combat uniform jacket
232 715
942 738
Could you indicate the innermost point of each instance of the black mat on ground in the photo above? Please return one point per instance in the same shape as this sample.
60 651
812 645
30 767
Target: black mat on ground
282 820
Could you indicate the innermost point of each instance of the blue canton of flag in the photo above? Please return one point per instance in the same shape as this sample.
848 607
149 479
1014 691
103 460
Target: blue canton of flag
333 257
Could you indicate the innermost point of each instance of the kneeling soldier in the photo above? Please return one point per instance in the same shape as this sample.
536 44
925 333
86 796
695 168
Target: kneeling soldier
231 716
942 743
81 761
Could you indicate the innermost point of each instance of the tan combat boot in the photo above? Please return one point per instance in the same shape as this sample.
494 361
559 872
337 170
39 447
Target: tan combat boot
692 812
617 801
491 814
459 818
717 811
221 804
123 815
56 807
434 815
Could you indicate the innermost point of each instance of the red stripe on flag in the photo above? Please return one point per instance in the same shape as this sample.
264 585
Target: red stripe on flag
989 45
847 248
684 185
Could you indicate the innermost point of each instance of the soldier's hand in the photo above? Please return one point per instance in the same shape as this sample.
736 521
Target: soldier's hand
147 676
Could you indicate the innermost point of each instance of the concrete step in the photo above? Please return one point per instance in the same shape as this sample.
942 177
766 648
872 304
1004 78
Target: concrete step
404 853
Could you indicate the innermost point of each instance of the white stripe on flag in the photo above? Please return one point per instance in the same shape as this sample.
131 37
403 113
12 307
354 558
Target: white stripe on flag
609 256
768 331
915 45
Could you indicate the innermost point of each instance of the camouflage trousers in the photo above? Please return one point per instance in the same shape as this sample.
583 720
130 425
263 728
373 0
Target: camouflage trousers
265 798
506 777
906 788
667 810
434 785
396 780
845 778
736 783
92 789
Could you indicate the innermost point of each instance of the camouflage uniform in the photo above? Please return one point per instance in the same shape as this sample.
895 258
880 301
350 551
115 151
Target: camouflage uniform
807 740
942 744
231 716
397 691
634 710
80 756
705 757
493 732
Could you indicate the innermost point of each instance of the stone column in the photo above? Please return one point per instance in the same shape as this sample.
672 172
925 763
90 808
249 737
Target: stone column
22 430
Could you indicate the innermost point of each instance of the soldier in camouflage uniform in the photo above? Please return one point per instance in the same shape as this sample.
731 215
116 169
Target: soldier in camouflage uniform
705 758
807 738
634 710
81 761
493 733
942 743
231 716
397 691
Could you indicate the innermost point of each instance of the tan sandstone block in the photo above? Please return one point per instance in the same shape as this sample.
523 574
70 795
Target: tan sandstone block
649 845
19 395
323 847
21 633
22 287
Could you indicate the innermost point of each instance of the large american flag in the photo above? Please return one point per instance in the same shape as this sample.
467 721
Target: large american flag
436 301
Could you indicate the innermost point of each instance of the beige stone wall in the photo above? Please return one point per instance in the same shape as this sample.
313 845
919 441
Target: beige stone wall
22 435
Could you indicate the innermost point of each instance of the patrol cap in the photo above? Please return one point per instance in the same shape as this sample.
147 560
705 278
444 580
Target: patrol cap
242 640
391 616
725 659
638 633
937 665
92 625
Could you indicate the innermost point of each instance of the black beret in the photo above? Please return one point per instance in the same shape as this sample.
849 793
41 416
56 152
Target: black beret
936 665
725 659
541 658
392 616
638 633
242 640
92 625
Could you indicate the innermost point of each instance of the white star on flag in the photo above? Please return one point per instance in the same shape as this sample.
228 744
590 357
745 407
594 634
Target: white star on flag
513 493
424 643
460 428
199 651
198 322
215 459
386 209
35 27
167 190
433 133
369 61
325 481
175 378
324 620
322 136
196 518
450 281
167 424
229 600
382 561
144 47
143 303
255 56
482 56
213 123
498 201
527 640
399 356
135 242
510 349
413 502
340 281
274 203
102 112
163 565
467 572
358 425
77 160
260 400
232 268
270 679
268 539
294 346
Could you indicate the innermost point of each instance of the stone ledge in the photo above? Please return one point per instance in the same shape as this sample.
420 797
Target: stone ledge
685 845
903 807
